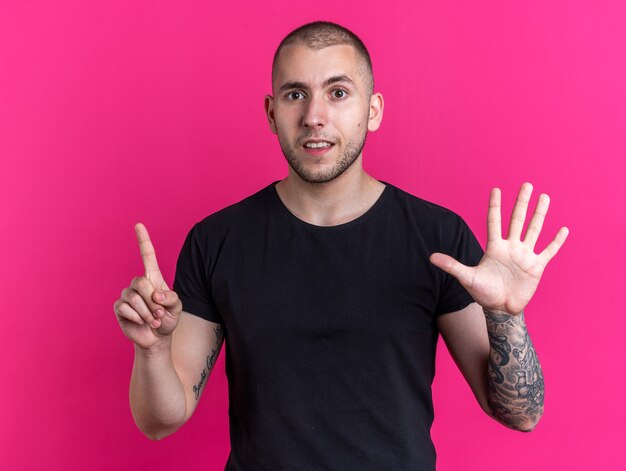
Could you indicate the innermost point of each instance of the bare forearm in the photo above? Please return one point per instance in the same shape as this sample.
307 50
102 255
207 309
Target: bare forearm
157 398
516 388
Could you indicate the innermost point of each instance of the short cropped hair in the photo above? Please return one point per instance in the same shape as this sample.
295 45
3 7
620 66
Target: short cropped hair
321 34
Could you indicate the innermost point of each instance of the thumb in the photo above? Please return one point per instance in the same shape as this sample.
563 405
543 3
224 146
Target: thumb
461 272
169 300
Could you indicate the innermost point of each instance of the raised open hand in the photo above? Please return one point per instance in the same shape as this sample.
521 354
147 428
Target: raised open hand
148 311
508 274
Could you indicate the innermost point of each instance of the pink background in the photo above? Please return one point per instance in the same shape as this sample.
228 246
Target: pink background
123 111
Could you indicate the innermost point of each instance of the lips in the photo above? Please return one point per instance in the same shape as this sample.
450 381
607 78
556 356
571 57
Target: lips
317 146
316 143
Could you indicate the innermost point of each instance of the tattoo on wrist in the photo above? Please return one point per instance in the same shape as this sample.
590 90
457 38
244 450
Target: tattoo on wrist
209 362
516 387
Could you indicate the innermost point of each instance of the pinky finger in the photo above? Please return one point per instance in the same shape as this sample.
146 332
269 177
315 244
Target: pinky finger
554 246
126 312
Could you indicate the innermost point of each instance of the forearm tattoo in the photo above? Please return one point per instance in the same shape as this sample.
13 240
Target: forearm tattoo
210 361
516 388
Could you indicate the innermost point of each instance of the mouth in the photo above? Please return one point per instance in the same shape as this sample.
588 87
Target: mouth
317 146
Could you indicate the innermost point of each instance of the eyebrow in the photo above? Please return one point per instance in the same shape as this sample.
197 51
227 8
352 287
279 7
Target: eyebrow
329 81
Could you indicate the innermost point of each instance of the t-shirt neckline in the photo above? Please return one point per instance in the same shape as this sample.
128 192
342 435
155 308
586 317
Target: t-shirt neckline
359 219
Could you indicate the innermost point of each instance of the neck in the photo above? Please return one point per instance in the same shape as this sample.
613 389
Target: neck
336 202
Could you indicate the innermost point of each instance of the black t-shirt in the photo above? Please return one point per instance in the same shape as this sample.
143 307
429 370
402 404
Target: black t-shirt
330 332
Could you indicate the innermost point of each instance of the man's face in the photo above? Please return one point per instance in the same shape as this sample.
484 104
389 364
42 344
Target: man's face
321 109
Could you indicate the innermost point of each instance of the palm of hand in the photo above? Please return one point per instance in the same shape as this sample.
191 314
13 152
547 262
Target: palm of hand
508 274
506 278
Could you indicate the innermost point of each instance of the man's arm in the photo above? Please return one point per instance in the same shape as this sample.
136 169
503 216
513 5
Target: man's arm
167 381
174 351
491 344
496 356
515 377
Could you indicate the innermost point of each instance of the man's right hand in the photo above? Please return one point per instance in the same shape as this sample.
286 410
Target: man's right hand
148 311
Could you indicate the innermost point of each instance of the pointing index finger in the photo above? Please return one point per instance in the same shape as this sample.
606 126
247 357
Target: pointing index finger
148 255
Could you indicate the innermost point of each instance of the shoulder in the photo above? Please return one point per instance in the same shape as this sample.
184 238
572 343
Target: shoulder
439 229
239 214
423 210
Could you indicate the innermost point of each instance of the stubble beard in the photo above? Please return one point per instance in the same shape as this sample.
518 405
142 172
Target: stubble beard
346 159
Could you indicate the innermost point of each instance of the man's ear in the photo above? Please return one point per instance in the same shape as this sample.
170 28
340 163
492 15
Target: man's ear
269 111
377 104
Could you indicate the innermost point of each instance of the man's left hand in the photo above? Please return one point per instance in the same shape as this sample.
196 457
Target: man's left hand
508 274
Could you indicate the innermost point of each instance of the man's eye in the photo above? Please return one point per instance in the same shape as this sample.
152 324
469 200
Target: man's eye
295 96
339 93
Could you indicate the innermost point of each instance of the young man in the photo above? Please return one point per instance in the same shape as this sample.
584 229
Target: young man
331 288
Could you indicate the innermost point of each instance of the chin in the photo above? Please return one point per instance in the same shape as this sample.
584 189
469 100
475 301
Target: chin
319 176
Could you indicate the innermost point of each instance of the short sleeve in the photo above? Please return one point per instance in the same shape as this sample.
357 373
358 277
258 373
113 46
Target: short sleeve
191 281
464 247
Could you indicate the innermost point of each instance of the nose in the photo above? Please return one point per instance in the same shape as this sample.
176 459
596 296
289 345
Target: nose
315 113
